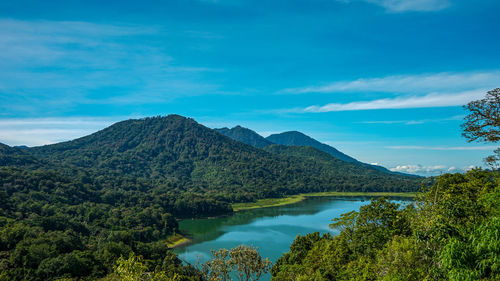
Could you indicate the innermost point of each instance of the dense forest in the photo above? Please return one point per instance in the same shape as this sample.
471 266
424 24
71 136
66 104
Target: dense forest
73 209
451 232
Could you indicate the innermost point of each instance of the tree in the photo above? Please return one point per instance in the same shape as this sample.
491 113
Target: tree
245 262
135 269
483 122
218 268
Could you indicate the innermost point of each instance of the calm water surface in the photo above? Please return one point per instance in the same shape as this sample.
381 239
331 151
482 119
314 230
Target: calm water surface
271 230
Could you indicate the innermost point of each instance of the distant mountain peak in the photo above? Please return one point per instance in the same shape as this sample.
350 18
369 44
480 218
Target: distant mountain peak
296 138
245 135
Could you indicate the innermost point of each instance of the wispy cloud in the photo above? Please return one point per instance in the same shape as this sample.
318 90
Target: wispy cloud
61 64
408 5
41 131
415 122
406 91
409 84
429 100
418 147
429 170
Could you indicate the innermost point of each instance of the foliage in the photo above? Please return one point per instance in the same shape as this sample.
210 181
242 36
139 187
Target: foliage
483 122
451 232
244 262
135 269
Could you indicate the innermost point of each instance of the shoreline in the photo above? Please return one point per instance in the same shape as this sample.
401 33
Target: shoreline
177 241
292 199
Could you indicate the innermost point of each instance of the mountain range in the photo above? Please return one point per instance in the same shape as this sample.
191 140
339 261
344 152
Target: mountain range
180 160
292 138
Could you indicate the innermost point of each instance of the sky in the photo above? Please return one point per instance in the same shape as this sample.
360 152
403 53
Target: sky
383 81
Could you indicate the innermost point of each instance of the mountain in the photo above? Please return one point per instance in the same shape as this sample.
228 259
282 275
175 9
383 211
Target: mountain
299 139
182 155
245 135
294 138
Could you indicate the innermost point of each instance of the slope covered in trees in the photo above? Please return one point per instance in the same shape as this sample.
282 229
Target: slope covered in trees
295 138
347 173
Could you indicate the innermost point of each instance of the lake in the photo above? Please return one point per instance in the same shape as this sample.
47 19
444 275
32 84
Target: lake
271 230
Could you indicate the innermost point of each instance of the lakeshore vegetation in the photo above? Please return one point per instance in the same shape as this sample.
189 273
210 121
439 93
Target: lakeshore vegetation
451 232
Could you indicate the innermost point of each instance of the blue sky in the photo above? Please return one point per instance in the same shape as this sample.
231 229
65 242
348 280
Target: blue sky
381 80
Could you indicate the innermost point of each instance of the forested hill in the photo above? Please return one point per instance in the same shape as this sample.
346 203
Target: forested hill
14 156
245 135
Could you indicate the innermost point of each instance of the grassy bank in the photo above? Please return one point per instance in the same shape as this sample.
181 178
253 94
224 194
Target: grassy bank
274 202
369 194
270 202
176 240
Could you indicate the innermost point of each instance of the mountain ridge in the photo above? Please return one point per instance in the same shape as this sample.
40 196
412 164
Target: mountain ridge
297 138
245 135
178 151
294 138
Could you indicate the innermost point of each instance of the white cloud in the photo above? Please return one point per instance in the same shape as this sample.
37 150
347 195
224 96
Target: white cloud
408 5
41 131
429 170
417 147
410 84
429 100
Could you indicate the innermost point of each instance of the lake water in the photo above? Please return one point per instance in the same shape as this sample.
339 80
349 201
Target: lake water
271 230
